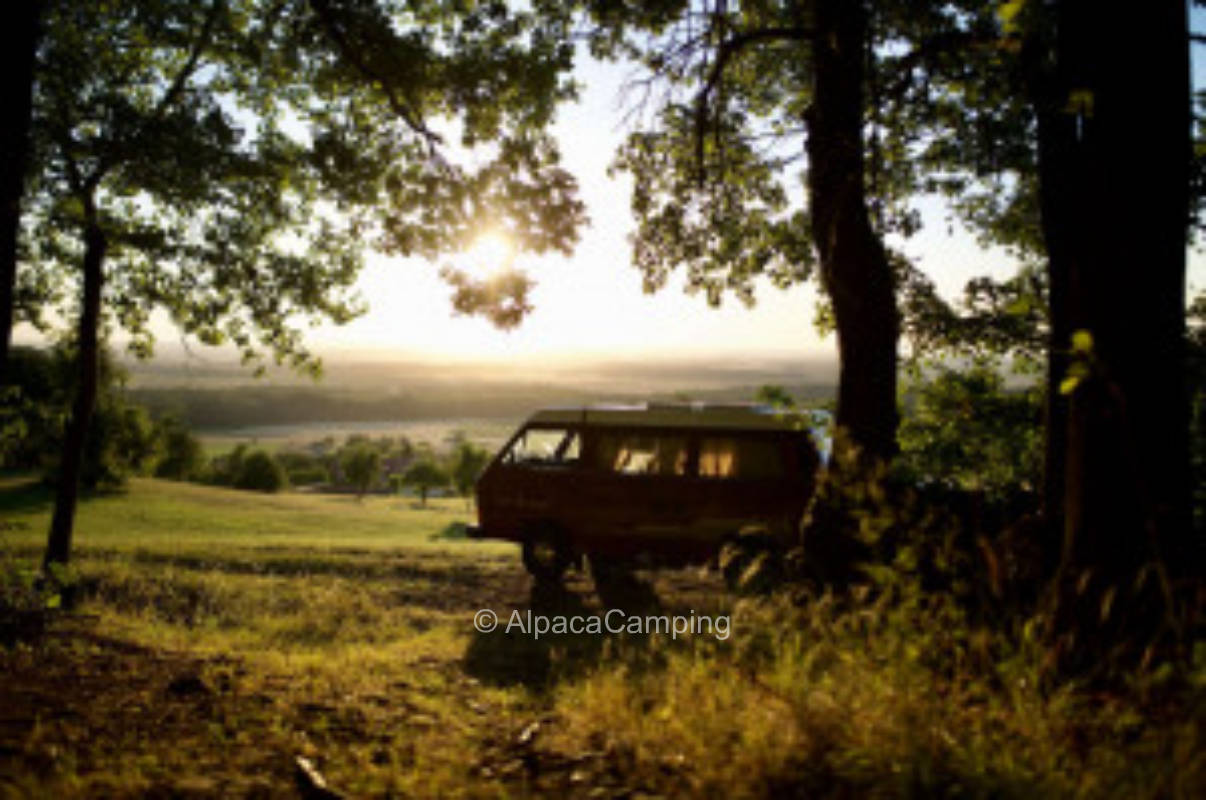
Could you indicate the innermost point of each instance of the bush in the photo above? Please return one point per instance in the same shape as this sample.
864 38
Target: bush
964 430
224 470
27 598
309 476
183 457
121 442
260 472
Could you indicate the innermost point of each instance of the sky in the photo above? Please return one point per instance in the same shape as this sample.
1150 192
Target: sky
591 305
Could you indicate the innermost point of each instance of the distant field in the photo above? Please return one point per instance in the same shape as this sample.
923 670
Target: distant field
489 433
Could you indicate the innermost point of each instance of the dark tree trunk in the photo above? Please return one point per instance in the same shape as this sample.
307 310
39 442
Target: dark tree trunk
1125 144
58 545
1062 220
854 265
21 33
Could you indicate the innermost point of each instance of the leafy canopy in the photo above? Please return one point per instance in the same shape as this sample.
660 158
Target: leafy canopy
239 156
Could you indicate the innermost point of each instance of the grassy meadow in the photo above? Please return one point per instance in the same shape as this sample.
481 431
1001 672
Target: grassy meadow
221 634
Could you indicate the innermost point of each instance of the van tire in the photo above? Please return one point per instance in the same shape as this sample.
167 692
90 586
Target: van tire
546 552
610 570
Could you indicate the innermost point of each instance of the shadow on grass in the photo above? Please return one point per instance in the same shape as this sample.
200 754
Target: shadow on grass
518 653
25 495
453 531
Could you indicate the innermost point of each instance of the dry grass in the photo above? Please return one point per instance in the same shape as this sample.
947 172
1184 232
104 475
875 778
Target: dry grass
224 633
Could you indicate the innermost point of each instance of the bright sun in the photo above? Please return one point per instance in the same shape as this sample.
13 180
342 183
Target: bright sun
489 254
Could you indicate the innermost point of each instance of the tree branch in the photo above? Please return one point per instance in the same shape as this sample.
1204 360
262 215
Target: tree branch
190 65
174 90
725 52
934 46
330 23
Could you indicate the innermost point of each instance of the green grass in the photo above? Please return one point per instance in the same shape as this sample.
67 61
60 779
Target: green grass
341 630
165 516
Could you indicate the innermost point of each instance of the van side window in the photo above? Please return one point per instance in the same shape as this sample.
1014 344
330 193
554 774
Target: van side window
736 457
545 446
641 454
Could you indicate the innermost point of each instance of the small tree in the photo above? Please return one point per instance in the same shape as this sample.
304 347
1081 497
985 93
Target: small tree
468 462
361 464
183 456
260 472
424 476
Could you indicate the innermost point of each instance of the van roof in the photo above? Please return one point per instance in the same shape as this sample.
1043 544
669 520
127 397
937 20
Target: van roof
739 416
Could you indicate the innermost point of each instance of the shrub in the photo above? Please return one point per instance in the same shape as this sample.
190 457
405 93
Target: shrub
260 472
224 470
121 442
309 476
27 598
964 430
183 457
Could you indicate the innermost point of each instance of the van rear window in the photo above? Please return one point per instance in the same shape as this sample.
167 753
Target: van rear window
734 457
640 454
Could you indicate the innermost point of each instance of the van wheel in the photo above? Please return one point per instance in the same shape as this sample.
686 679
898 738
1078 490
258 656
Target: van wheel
610 570
546 554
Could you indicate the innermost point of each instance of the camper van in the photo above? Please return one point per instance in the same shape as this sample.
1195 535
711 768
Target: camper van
646 484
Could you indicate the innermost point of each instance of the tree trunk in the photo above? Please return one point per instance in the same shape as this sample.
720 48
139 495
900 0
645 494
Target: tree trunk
58 545
859 281
1062 218
1123 217
854 265
21 42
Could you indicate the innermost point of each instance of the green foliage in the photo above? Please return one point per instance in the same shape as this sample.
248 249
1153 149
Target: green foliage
362 466
259 471
309 476
235 156
28 597
468 461
183 457
965 430
224 469
992 320
425 475
711 189
122 441
727 222
303 468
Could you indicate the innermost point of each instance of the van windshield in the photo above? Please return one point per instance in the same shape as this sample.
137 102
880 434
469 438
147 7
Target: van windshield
544 446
